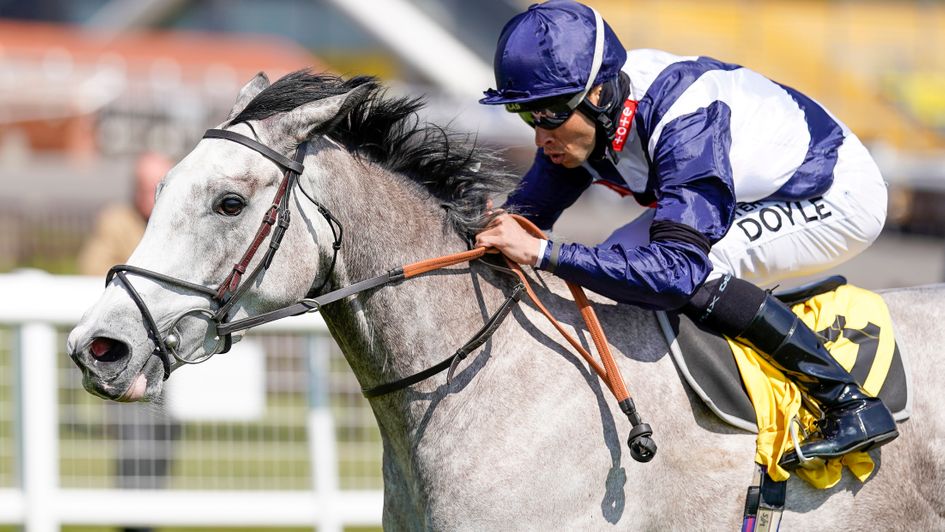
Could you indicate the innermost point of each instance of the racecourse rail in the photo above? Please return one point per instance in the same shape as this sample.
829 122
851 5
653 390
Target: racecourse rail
35 307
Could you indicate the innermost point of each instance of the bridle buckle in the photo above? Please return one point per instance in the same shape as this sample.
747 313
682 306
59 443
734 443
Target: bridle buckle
173 337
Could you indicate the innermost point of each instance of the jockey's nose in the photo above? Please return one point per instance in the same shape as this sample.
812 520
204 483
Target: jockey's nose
543 137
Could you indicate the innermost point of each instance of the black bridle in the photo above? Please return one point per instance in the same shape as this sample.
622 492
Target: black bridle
234 287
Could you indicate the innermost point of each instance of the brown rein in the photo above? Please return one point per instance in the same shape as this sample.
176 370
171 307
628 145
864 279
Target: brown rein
642 446
608 372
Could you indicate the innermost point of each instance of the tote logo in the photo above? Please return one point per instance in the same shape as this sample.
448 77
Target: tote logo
623 124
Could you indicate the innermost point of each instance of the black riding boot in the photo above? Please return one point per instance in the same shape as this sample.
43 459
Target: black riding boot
853 421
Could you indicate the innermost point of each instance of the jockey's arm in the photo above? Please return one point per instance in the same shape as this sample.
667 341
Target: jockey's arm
694 209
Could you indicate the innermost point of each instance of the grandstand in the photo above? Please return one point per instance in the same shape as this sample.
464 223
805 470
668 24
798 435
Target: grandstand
877 65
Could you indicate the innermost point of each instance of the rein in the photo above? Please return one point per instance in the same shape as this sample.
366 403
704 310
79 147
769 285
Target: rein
641 444
276 222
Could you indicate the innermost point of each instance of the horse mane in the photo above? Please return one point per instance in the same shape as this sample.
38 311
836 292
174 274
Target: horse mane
387 130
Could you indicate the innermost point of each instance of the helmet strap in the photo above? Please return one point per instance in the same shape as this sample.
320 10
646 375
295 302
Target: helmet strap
604 116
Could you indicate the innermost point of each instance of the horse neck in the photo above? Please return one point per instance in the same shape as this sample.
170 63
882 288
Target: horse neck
396 331
389 221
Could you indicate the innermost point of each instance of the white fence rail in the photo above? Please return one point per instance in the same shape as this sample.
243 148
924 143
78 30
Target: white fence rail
34 308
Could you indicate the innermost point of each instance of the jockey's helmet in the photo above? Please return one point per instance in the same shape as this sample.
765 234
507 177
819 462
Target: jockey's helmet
551 55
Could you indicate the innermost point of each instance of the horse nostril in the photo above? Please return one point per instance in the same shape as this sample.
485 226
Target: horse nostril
107 350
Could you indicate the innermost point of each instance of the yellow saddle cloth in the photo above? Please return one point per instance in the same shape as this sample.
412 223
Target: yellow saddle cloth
854 324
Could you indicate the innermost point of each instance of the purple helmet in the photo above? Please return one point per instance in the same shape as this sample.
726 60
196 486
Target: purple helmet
551 50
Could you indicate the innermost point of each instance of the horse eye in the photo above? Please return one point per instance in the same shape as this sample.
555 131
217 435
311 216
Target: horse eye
231 205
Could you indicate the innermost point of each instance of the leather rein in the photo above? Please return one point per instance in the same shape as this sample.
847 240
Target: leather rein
276 222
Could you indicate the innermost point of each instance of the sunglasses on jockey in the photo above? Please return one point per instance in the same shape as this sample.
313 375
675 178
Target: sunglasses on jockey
551 113
545 114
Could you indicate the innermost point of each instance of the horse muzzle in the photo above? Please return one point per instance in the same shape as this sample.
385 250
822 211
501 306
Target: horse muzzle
107 371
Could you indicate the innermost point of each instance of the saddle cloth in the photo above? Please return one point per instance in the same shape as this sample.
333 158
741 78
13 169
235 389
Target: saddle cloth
856 328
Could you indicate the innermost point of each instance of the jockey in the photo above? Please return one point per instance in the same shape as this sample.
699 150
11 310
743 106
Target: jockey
749 182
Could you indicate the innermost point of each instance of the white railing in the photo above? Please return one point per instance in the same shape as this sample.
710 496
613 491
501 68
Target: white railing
34 304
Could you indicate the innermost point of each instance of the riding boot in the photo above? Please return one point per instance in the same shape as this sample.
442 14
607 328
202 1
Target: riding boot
852 420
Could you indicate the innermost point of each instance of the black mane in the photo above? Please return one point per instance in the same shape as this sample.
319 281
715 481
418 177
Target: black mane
388 131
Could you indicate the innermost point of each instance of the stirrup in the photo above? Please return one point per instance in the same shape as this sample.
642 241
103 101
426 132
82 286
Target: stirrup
802 461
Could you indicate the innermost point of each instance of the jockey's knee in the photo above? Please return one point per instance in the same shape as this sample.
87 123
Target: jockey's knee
726 304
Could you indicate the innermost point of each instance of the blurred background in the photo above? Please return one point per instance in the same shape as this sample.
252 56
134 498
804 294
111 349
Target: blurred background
99 96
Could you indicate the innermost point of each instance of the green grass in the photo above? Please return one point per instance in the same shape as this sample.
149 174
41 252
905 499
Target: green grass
54 265
271 453
7 442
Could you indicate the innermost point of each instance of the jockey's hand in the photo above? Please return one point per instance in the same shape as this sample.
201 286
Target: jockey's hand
506 236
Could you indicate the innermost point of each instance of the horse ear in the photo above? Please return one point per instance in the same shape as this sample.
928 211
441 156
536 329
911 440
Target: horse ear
247 93
322 115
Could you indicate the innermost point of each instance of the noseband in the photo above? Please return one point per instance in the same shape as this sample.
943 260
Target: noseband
235 285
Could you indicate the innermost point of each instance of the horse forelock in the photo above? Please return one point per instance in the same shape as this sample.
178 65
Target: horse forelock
387 130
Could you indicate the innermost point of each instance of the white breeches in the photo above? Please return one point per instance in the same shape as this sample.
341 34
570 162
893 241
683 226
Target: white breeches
770 241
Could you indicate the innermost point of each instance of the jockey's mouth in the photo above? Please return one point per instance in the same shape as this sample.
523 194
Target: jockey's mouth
557 157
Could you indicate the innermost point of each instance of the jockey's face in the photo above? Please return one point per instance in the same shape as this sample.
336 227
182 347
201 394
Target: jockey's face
571 143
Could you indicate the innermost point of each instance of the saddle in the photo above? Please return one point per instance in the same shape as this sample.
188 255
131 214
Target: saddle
709 367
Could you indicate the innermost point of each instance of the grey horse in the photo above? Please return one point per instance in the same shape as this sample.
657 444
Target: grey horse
525 437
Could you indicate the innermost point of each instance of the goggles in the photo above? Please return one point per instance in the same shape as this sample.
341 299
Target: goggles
550 117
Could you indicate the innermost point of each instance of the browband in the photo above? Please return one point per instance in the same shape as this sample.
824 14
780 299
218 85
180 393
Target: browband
259 147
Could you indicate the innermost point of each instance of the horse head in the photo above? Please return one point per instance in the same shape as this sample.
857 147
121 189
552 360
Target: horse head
199 269
207 210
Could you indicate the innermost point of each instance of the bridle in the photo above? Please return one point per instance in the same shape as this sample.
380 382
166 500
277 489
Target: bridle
235 285
276 221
